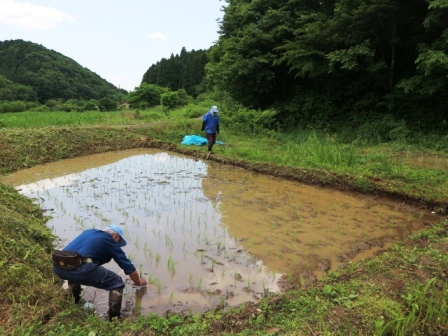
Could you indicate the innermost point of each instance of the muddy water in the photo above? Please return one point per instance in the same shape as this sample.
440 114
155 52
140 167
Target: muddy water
205 234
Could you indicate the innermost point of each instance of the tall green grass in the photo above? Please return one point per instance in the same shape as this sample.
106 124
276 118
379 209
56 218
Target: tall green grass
45 119
427 313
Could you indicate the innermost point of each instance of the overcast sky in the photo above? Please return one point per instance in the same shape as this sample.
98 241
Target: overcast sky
119 40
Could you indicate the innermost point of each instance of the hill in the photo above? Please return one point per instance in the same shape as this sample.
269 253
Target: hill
50 74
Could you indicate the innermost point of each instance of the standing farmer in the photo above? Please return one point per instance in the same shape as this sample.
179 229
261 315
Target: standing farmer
80 263
210 124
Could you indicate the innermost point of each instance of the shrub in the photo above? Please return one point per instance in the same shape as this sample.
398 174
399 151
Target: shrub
14 106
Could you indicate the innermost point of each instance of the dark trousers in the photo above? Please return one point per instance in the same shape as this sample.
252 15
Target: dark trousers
90 274
211 139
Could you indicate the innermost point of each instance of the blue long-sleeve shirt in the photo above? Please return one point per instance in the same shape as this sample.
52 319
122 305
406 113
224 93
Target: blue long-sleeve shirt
99 246
210 123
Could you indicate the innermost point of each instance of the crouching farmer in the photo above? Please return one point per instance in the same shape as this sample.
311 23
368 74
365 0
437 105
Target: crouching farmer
80 263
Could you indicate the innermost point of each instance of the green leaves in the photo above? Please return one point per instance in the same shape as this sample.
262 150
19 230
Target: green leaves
43 74
351 58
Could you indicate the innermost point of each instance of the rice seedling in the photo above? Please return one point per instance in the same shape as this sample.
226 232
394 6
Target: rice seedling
157 257
158 286
171 265
168 241
151 279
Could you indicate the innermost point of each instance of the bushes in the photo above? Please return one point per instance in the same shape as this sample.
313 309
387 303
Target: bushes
250 120
14 106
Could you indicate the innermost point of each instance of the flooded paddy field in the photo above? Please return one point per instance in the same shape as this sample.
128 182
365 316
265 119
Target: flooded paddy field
205 234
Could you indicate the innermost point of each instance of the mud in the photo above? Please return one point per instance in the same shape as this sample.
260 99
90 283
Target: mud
206 234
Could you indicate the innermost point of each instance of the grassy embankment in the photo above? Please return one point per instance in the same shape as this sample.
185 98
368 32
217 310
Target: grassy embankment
400 292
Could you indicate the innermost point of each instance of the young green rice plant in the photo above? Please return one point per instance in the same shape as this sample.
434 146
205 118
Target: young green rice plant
132 256
168 241
152 280
171 265
249 284
220 246
148 251
171 297
157 256
200 283
158 286
202 257
213 264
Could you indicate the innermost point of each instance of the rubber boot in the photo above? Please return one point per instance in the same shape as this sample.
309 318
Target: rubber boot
115 299
75 290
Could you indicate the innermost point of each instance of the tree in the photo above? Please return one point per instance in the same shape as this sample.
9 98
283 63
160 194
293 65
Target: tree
146 95
169 100
107 104
182 71
50 74
244 62
13 91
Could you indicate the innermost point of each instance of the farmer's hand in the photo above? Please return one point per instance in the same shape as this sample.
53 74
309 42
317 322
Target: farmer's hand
138 281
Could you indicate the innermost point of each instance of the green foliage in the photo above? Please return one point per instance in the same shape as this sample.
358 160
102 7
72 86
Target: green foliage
11 91
427 311
91 105
107 104
169 100
13 106
183 96
146 95
250 120
183 71
322 64
49 74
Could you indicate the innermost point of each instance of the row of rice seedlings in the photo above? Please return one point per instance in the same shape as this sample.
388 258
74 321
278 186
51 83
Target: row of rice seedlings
202 225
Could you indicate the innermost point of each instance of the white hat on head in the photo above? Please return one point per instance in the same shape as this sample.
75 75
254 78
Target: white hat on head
214 109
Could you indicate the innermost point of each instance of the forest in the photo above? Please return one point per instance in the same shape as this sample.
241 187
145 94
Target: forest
317 64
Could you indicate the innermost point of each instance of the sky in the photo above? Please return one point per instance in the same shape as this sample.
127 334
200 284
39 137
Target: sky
118 40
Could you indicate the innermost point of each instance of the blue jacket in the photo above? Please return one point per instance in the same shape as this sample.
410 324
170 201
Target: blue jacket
210 123
99 246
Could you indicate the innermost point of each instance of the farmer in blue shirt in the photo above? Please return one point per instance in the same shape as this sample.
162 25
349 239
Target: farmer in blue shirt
210 124
98 247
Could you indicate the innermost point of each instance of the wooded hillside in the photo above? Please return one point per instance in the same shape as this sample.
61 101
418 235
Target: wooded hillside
182 71
324 62
30 71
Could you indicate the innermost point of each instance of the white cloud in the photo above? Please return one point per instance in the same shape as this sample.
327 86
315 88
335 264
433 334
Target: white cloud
158 36
30 16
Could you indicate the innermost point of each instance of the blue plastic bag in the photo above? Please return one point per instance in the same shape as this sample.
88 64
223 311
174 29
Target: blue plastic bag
197 140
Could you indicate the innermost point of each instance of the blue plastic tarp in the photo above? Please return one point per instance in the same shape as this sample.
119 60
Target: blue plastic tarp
197 140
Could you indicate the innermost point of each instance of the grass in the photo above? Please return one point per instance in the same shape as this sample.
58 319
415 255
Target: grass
402 291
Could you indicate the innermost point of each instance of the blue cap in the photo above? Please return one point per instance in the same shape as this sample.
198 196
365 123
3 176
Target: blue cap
118 230
214 109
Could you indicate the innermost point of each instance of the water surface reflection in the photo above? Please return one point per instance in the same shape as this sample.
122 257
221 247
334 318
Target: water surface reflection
205 234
